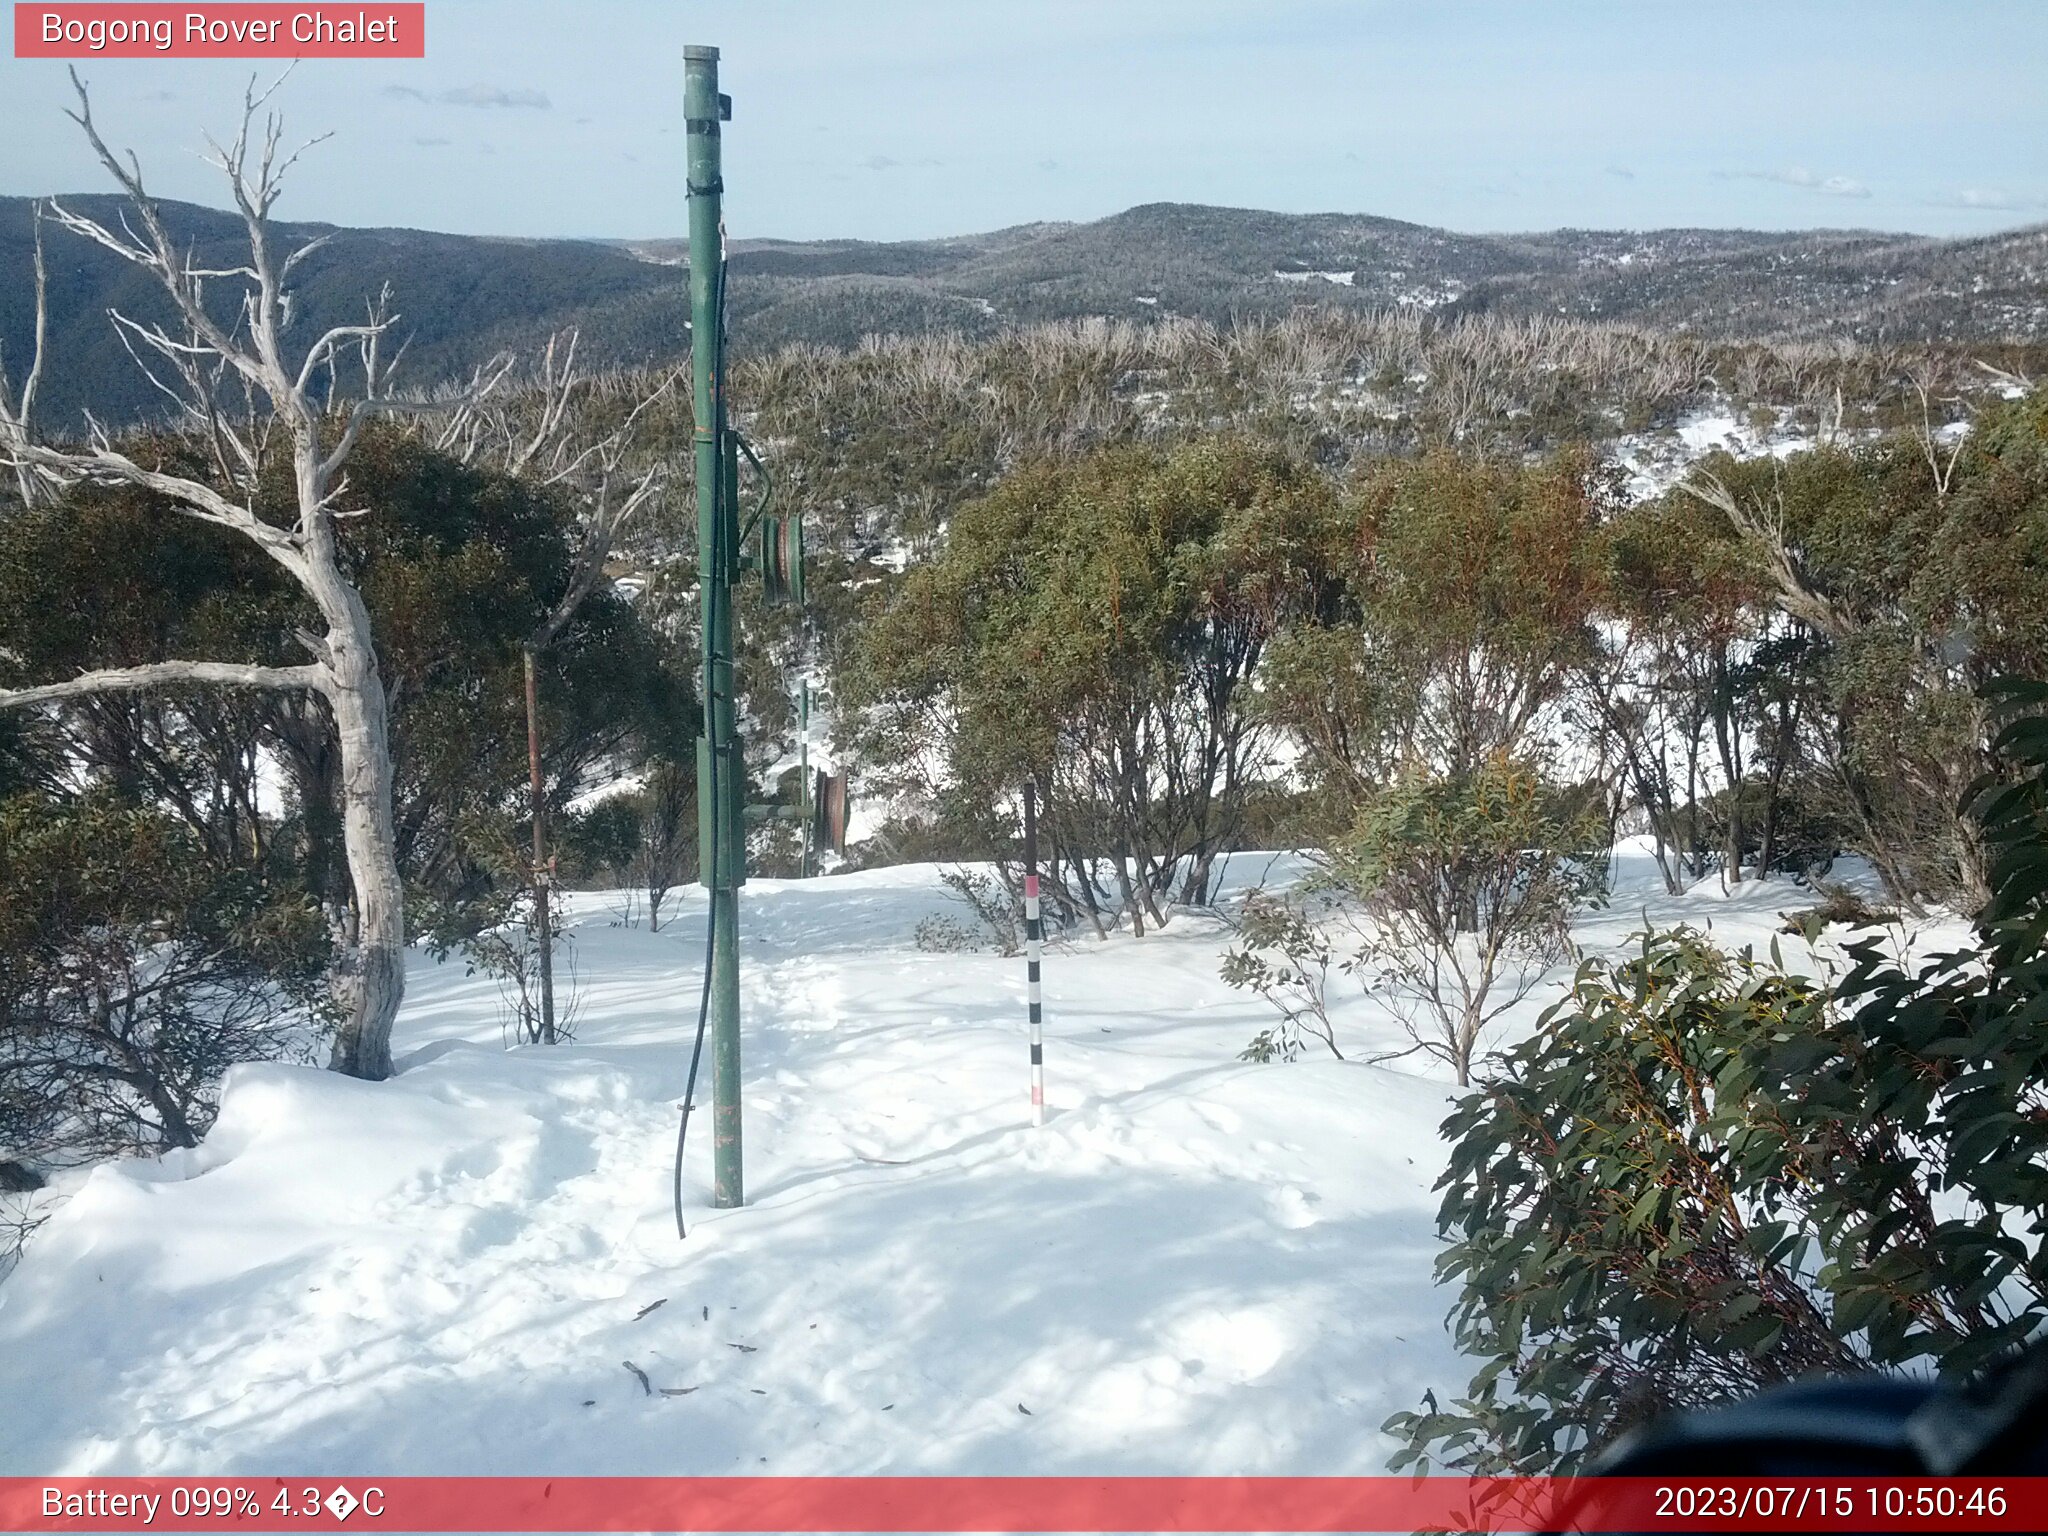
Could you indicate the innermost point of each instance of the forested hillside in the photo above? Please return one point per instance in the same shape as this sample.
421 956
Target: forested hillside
463 298
460 298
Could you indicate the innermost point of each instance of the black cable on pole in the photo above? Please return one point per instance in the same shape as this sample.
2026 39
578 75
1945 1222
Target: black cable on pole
696 1055
707 858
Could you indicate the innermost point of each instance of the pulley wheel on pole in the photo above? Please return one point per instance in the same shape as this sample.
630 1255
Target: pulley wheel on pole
829 811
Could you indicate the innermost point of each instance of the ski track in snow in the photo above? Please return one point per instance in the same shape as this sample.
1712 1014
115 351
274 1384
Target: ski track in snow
1198 1265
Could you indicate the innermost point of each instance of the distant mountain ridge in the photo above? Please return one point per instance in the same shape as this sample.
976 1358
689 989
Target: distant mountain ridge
465 296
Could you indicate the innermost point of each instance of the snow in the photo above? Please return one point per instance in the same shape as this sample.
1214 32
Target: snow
1705 431
611 782
1345 277
1197 1265
895 556
1654 462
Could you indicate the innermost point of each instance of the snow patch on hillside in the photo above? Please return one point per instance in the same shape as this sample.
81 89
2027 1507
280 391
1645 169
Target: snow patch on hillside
1653 462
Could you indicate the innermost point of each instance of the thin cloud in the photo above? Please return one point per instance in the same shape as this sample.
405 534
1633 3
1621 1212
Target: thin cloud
1806 181
495 96
473 96
1992 199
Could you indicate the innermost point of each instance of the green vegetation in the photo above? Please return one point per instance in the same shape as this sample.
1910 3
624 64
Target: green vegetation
135 967
1705 1173
184 856
1097 623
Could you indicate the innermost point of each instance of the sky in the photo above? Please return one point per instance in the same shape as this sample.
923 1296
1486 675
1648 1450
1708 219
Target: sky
898 119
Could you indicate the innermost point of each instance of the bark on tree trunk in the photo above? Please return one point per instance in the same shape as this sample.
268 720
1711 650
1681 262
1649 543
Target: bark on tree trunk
373 978
1123 881
1727 737
1086 879
1973 866
1145 894
1665 865
1767 854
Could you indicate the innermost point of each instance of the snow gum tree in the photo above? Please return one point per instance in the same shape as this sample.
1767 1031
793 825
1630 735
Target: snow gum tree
201 361
1915 576
1458 833
1098 622
1465 595
1663 684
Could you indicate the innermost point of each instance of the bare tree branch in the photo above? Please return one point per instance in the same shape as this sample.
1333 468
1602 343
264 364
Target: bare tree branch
164 674
600 530
1764 527
2018 382
105 465
1929 436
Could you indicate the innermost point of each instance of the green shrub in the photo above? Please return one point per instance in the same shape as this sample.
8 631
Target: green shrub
1704 1174
134 970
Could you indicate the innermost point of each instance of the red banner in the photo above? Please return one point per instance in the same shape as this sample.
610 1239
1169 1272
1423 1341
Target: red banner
904 1504
261 31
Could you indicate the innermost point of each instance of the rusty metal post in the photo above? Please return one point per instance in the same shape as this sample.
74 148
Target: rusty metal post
543 872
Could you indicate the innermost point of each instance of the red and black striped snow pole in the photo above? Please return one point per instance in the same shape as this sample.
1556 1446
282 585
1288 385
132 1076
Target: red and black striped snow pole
1034 937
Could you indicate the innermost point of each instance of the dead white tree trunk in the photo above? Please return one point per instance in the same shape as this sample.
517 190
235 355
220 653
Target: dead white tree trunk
249 353
1762 525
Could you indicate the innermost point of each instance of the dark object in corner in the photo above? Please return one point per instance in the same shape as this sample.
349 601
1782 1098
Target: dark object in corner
1993 1426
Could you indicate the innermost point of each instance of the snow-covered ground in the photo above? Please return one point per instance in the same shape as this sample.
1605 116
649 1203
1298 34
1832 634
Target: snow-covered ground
1653 462
1197 1265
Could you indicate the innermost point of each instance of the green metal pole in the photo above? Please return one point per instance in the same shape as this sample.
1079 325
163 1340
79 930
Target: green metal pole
720 766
